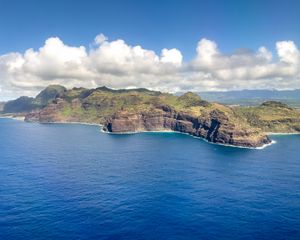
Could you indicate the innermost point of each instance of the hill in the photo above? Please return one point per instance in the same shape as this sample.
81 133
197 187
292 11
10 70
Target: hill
272 116
2 106
26 104
135 110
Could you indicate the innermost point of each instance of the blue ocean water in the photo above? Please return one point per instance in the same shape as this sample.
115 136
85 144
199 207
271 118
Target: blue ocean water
68 181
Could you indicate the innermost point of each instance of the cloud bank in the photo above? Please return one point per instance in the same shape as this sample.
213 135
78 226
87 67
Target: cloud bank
119 65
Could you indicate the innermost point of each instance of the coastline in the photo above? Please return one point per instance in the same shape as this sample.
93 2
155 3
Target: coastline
274 133
137 132
234 146
78 123
159 131
22 118
200 138
228 145
19 118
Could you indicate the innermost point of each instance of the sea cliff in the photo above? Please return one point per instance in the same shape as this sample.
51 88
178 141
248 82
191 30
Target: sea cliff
215 127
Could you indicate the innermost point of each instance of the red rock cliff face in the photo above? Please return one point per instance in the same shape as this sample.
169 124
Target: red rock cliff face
47 114
215 127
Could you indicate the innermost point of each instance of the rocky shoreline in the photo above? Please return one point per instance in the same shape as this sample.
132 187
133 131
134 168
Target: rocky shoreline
104 130
200 138
215 128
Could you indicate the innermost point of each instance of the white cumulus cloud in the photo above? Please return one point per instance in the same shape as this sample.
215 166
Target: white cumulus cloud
119 65
171 56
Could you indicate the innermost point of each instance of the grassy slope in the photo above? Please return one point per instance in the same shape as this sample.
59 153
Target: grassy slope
271 117
104 103
26 104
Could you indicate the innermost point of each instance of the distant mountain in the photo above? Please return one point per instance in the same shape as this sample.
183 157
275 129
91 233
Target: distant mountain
49 93
2 106
21 104
27 104
253 97
284 94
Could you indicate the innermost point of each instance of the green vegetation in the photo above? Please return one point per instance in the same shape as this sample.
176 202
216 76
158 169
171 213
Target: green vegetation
27 104
22 104
271 116
49 94
253 97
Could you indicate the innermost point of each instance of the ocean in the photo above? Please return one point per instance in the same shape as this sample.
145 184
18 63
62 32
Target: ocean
71 181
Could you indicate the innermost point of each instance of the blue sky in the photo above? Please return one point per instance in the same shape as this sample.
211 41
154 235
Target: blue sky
153 24
178 45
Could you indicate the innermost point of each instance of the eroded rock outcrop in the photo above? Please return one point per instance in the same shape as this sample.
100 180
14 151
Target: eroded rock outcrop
215 127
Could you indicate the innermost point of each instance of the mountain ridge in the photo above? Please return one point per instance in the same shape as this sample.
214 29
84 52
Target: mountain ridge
136 110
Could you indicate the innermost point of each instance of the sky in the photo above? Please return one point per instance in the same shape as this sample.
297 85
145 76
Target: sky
178 45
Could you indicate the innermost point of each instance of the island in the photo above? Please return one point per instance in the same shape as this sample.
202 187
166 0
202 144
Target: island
140 110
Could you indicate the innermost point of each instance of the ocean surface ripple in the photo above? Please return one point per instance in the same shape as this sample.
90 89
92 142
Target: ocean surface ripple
60 181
